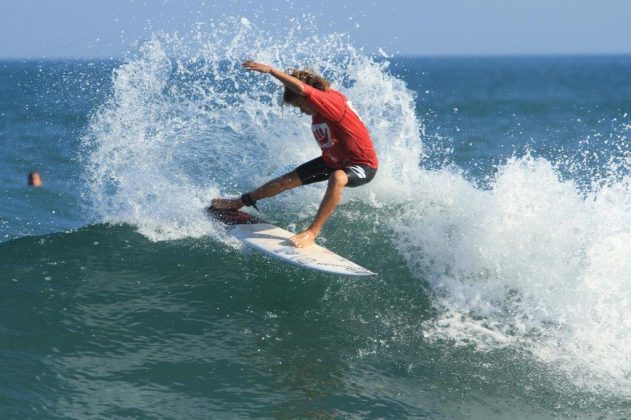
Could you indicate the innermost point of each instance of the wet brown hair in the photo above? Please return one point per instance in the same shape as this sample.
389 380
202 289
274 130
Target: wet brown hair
310 77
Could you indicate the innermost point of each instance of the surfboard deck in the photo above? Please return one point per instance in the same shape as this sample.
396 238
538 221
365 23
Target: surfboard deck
273 241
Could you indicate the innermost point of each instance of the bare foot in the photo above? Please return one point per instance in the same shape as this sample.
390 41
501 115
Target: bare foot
303 239
226 203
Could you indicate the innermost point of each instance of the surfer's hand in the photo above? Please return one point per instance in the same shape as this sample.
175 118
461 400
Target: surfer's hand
304 238
226 203
254 66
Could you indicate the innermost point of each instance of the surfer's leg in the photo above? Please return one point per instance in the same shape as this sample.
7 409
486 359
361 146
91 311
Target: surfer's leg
269 189
313 171
332 197
309 172
276 186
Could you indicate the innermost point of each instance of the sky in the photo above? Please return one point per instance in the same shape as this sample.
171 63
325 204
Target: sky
107 28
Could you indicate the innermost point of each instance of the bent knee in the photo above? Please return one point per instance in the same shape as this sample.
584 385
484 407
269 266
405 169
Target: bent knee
338 178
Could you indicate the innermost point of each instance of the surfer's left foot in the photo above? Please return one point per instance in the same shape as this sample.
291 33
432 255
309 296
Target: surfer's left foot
226 203
303 239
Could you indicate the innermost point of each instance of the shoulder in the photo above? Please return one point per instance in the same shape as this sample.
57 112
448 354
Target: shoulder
335 93
311 91
329 95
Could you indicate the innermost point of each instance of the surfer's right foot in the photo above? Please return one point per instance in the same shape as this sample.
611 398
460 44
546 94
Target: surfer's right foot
226 203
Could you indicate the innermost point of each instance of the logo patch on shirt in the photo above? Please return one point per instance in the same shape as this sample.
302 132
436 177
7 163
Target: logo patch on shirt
322 135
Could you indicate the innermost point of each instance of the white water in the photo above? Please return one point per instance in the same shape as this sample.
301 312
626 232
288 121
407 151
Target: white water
531 262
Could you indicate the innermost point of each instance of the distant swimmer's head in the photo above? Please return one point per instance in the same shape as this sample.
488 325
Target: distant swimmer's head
311 78
35 179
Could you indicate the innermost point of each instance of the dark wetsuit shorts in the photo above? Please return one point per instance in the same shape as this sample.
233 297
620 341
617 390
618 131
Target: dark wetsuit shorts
317 171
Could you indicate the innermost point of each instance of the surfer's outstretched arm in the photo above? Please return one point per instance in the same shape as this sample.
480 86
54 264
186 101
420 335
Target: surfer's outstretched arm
289 81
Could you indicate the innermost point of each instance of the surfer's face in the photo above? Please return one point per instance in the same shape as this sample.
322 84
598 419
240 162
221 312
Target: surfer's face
305 107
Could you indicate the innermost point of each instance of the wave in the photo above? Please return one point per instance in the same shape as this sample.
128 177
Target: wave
533 261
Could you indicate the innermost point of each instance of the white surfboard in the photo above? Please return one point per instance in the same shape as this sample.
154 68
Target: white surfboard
274 241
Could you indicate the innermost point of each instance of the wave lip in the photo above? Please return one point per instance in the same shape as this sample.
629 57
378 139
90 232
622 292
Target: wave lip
185 123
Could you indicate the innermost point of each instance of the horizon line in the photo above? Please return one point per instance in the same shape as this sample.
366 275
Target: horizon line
376 54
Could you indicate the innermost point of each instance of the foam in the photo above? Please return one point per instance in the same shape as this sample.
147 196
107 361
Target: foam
531 262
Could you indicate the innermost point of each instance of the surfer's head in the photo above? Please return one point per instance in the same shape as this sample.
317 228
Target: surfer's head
311 78
305 107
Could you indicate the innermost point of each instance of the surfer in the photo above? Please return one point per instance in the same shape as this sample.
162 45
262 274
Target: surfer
348 157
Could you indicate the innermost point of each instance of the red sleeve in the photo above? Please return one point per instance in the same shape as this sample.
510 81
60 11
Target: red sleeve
330 104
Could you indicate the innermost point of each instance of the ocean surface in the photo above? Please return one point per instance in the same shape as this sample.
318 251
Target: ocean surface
499 224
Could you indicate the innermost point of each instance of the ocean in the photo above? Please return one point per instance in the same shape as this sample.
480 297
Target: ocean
499 223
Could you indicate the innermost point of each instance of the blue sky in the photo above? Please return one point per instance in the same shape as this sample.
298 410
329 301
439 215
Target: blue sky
100 28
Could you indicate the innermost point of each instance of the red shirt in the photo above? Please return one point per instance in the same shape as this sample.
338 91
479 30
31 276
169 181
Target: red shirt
341 135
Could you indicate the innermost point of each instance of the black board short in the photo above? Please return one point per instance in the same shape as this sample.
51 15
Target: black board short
317 171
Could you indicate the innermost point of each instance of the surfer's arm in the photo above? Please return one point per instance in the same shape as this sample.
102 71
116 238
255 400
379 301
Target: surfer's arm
287 80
